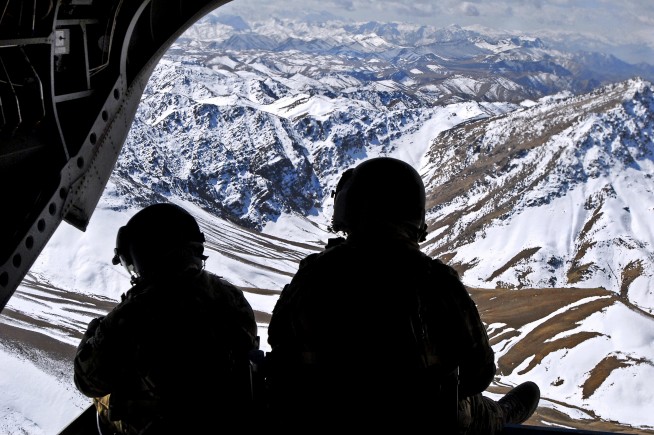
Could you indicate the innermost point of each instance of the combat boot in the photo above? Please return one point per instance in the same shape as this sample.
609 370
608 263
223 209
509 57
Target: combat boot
520 403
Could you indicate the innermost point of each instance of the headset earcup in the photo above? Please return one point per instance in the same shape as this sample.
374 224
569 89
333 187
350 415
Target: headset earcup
123 244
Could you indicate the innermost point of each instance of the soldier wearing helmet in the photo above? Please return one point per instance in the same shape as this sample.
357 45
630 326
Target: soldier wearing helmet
372 333
380 196
174 353
158 241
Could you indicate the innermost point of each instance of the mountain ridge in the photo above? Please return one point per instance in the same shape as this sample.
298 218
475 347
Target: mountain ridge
538 179
286 128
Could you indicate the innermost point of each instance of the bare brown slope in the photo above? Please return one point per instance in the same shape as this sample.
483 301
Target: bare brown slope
517 308
514 308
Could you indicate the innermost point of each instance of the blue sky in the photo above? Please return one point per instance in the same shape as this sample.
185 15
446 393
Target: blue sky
628 25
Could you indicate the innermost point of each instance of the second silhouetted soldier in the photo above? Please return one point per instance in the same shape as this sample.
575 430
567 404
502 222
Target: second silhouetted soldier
173 356
369 331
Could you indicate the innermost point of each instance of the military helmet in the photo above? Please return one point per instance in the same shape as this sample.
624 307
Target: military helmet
159 238
381 189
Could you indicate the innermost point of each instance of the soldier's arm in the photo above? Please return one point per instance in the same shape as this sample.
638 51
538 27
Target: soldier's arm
476 356
102 354
478 369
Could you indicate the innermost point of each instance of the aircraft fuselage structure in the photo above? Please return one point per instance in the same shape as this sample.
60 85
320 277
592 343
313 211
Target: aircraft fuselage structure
71 77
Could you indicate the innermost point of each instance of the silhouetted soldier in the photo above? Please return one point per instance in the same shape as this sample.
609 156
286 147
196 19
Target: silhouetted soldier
369 332
173 356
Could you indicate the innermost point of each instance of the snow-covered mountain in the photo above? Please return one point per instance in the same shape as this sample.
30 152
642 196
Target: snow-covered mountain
254 132
538 166
286 106
561 194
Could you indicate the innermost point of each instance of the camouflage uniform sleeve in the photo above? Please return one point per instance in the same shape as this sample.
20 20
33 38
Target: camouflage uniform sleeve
280 327
100 359
475 354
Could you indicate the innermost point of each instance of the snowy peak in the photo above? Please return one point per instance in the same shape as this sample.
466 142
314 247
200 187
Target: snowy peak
580 166
535 66
259 123
254 132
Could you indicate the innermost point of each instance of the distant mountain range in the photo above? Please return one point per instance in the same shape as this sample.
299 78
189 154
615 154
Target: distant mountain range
253 121
427 61
538 163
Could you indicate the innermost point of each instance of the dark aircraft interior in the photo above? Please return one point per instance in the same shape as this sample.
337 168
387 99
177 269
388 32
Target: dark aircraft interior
72 73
